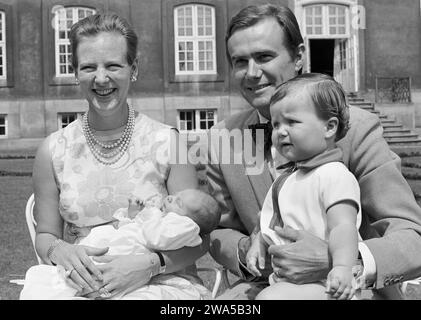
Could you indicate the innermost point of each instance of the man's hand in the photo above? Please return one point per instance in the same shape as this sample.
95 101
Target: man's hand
304 260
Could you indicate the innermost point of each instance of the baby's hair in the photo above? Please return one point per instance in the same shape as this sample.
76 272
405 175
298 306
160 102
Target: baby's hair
208 214
328 97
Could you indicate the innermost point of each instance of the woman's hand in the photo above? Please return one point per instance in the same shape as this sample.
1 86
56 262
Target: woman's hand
126 273
75 259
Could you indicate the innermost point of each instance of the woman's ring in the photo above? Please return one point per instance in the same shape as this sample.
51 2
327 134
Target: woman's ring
68 273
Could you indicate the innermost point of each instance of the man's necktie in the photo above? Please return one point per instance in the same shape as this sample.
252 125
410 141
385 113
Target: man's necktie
267 127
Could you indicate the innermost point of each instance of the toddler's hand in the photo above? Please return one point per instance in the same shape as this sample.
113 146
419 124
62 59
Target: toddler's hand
135 206
256 255
340 283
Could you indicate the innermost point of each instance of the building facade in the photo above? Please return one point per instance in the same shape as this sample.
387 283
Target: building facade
184 78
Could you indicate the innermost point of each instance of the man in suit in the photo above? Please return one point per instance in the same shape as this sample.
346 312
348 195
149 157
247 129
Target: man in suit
265 48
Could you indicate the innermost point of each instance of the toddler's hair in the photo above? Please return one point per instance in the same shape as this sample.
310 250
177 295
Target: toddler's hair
328 97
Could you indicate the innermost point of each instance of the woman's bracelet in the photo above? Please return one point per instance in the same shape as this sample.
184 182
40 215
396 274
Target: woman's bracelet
51 249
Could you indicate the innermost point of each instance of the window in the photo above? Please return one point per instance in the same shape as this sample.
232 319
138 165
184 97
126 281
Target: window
2 45
64 18
196 119
314 20
337 21
3 126
326 20
64 119
194 30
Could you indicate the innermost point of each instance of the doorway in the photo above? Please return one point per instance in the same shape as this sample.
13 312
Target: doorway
321 55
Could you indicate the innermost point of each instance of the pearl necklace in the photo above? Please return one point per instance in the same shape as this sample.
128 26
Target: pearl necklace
120 146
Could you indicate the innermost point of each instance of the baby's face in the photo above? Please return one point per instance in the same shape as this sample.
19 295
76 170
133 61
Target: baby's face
180 203
298 132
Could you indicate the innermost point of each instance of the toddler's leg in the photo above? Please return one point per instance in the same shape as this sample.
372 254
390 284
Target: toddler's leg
290 291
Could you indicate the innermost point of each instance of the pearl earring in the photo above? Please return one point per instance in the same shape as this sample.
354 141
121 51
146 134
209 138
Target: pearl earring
133 78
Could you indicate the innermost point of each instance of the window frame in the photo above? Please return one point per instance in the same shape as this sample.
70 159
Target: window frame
195 38
10 20
3 45
49 52
77 115
5 125
325 23
168 45
66 42
343 48
179 120
196 119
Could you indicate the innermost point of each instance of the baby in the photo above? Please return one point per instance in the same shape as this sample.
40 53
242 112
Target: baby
143 226
140 228
315 192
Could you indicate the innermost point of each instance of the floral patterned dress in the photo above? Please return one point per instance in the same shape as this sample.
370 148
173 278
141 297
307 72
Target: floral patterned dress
90 192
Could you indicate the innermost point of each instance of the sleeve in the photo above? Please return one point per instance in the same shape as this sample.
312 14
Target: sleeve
170 232
386 199
337 184
224 240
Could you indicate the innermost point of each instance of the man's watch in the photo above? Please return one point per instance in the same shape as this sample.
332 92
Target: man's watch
162 266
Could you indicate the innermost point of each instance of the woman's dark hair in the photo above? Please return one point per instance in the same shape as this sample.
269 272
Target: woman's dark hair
253 14
97 23
328 97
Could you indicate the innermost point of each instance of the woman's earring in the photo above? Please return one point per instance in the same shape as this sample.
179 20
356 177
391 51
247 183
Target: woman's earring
133 78
77 82
299 65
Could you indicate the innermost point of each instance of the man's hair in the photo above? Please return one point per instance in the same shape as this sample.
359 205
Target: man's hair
97 23
328 97
251 15
208 213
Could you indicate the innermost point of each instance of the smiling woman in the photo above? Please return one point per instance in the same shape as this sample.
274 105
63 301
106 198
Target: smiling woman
88 170
104 75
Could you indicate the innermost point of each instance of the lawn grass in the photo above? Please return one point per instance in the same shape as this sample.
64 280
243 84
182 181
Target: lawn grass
16 251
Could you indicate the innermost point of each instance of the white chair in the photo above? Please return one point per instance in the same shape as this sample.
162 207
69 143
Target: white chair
31 223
